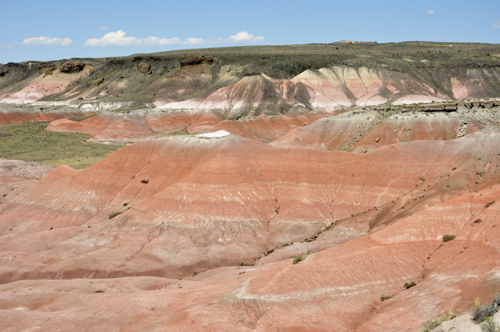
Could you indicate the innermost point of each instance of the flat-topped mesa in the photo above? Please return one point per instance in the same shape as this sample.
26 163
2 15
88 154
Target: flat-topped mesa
315 77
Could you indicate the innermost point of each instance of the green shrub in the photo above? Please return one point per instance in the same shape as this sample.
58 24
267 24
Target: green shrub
298 258
489 325
448 237
430 325
409 284
433 323
490 203
245 264
113 214
480 312
476 309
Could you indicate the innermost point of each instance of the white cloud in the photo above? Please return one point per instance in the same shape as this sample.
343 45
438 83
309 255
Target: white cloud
101 28
496 25
119 38
246 37
1 46
429 13
194 41
43 40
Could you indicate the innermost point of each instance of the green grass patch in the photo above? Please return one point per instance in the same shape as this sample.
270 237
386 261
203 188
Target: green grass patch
29 141
298 259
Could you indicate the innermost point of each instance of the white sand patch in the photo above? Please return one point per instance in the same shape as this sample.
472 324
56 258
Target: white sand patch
104 106
217 134
412 99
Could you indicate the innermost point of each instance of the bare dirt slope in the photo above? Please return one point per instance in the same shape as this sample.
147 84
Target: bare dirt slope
157 211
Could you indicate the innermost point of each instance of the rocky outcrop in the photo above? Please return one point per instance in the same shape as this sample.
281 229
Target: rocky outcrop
143 67
196 60
22 169
71 67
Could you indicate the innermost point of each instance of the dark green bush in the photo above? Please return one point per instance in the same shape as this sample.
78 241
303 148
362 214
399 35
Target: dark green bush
490 203
245 264
448 237
409 284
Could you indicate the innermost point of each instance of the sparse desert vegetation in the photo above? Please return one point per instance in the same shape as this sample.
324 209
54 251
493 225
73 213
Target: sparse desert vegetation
434 323
298 259
29 141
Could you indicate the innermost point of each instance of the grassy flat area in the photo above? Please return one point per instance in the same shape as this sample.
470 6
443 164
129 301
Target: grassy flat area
29 141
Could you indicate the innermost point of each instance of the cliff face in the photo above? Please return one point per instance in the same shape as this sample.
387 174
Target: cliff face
269 80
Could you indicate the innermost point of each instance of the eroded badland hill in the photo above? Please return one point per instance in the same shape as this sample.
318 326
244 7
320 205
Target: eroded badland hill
350 187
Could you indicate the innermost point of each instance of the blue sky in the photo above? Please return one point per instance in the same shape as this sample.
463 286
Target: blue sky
52 30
